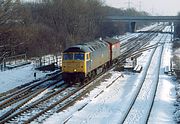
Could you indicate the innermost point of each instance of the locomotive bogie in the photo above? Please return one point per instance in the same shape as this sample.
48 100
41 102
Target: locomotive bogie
73 77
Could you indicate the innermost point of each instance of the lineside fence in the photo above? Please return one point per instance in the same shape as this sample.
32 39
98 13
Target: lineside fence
13 61
48 60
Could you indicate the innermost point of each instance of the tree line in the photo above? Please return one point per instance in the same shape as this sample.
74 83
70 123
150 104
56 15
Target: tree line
49 26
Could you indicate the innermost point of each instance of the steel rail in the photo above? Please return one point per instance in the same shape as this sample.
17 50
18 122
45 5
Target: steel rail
138 90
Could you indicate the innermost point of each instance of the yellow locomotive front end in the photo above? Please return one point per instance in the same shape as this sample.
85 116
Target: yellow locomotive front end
73 67
73 62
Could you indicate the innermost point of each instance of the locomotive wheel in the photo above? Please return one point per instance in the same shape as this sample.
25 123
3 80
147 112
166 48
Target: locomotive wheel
94 73
89 76
104 68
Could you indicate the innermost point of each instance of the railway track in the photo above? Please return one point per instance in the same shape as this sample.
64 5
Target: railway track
46 106
124 38
24 92
136 43
68 100
23 87
137 112
38 106
17 100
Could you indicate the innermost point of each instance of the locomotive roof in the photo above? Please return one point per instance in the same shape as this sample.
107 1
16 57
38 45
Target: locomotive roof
111 40
87 47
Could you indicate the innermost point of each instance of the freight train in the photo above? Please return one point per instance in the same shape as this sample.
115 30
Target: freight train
85 61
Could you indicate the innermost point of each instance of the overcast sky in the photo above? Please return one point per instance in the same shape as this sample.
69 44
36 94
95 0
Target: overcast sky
155 7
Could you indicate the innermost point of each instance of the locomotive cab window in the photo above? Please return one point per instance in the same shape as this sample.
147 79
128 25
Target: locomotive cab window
78 56
68 56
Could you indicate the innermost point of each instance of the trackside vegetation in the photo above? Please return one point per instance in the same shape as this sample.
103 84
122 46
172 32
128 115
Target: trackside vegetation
49 26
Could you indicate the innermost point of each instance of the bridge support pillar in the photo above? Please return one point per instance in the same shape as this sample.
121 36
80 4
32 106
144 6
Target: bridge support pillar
172 32
132 27
175 31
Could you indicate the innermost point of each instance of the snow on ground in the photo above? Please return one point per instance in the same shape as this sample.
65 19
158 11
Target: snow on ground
61 117
148 27
167 29
139 112
110 106
12 78
163 108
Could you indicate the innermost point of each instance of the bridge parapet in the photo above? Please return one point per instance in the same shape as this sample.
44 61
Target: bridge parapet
143 18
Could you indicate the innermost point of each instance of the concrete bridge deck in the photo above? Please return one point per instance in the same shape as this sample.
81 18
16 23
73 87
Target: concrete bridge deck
143 18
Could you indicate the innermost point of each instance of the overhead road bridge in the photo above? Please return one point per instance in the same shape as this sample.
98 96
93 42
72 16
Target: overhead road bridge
133 19
143 18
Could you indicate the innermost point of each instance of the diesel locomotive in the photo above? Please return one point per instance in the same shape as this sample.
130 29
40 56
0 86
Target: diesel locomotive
86 60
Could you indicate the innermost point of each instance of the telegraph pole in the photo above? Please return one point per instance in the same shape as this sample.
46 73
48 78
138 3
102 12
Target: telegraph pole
140 2
129 4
